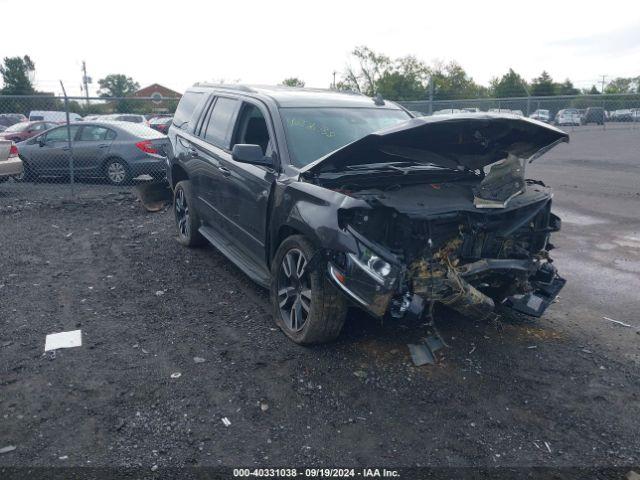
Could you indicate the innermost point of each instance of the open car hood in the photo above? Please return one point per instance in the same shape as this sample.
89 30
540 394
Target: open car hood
461 141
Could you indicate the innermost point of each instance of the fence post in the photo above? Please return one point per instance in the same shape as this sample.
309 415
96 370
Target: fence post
430 96
69 144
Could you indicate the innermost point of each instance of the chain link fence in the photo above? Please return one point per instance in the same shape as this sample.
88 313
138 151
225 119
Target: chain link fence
572 111
71 147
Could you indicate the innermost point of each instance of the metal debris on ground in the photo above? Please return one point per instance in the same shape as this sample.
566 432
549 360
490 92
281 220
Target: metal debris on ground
226 422
424 353
198 360
69 339
618 322
7 449
176 375
264 407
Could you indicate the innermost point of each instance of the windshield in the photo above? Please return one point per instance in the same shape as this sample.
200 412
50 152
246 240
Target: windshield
314 132
18 127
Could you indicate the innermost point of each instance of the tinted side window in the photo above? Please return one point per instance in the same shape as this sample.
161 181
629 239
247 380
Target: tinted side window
185 109
60 134
93 134
221 121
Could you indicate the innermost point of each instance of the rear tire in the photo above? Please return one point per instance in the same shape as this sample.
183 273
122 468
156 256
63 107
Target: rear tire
306 306
116 171
186 216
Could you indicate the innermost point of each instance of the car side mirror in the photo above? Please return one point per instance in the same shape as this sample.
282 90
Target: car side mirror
41 141
252 154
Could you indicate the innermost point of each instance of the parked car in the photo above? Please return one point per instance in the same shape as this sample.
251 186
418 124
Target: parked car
593 115
8 119
125 117
541 115
24 130
623 115
447 111
161 124
10 163
2 128
567 116
331 199
53 116
117 151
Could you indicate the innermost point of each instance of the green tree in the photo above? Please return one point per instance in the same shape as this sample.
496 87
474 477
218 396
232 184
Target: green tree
591 91
293 82
451 81
623 85
17 73
567 88
509 85
543 85
364 77
117 85
407 79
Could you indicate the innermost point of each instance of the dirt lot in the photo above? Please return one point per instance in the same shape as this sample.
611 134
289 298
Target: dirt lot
562 391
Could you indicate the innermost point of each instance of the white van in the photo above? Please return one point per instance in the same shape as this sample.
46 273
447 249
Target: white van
53 116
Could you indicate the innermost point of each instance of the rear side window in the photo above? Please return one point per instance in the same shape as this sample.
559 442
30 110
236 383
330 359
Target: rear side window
61 135
221 122
185 109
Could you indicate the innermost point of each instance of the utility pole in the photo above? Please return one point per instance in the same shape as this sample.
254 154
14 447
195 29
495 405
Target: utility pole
603 77
334 79
86 80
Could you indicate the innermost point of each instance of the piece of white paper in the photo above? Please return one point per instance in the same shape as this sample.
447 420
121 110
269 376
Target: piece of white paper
63 340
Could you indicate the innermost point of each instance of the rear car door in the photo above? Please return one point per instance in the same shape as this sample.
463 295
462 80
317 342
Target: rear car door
52 155
215 131
91 148
245 190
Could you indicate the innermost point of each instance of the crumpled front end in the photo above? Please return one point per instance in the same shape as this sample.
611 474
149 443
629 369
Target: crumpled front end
472 262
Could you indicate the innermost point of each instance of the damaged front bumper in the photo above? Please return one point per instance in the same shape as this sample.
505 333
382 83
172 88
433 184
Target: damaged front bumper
376 280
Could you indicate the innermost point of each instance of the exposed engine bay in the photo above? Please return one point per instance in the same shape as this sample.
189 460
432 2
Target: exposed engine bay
441 212
469 261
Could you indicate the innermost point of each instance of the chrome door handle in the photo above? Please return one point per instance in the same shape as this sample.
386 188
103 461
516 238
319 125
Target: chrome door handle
225 171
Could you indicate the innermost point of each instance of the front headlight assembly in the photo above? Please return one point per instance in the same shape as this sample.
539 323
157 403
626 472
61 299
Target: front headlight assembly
372 264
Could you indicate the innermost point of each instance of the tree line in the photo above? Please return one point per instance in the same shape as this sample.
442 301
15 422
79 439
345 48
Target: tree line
367 71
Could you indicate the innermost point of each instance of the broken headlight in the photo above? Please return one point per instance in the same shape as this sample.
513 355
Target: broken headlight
371 263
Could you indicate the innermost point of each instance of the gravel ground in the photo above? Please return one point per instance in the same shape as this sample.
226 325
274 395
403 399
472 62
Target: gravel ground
561 391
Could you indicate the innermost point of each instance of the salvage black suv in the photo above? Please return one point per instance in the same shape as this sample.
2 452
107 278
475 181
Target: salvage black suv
331 199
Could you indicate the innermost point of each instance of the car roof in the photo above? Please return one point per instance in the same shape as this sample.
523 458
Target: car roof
285 96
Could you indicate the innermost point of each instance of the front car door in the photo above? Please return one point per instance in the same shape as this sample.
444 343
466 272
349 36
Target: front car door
244 196
50 153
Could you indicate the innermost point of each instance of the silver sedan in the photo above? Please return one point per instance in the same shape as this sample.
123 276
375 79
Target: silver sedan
116 151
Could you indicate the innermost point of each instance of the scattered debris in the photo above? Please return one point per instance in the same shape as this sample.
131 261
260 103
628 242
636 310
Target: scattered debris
69 339
154 468
546 444
6 344
631 475
159 293
264 407
618 322
531 347
7 449
226 422
420 354
63 457
176 375
472 350
198 360
360 374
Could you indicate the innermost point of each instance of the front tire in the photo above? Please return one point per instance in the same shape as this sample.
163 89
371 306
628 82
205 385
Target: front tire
187 218
305 305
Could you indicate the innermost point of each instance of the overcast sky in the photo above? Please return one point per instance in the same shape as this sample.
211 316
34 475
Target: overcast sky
177 43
